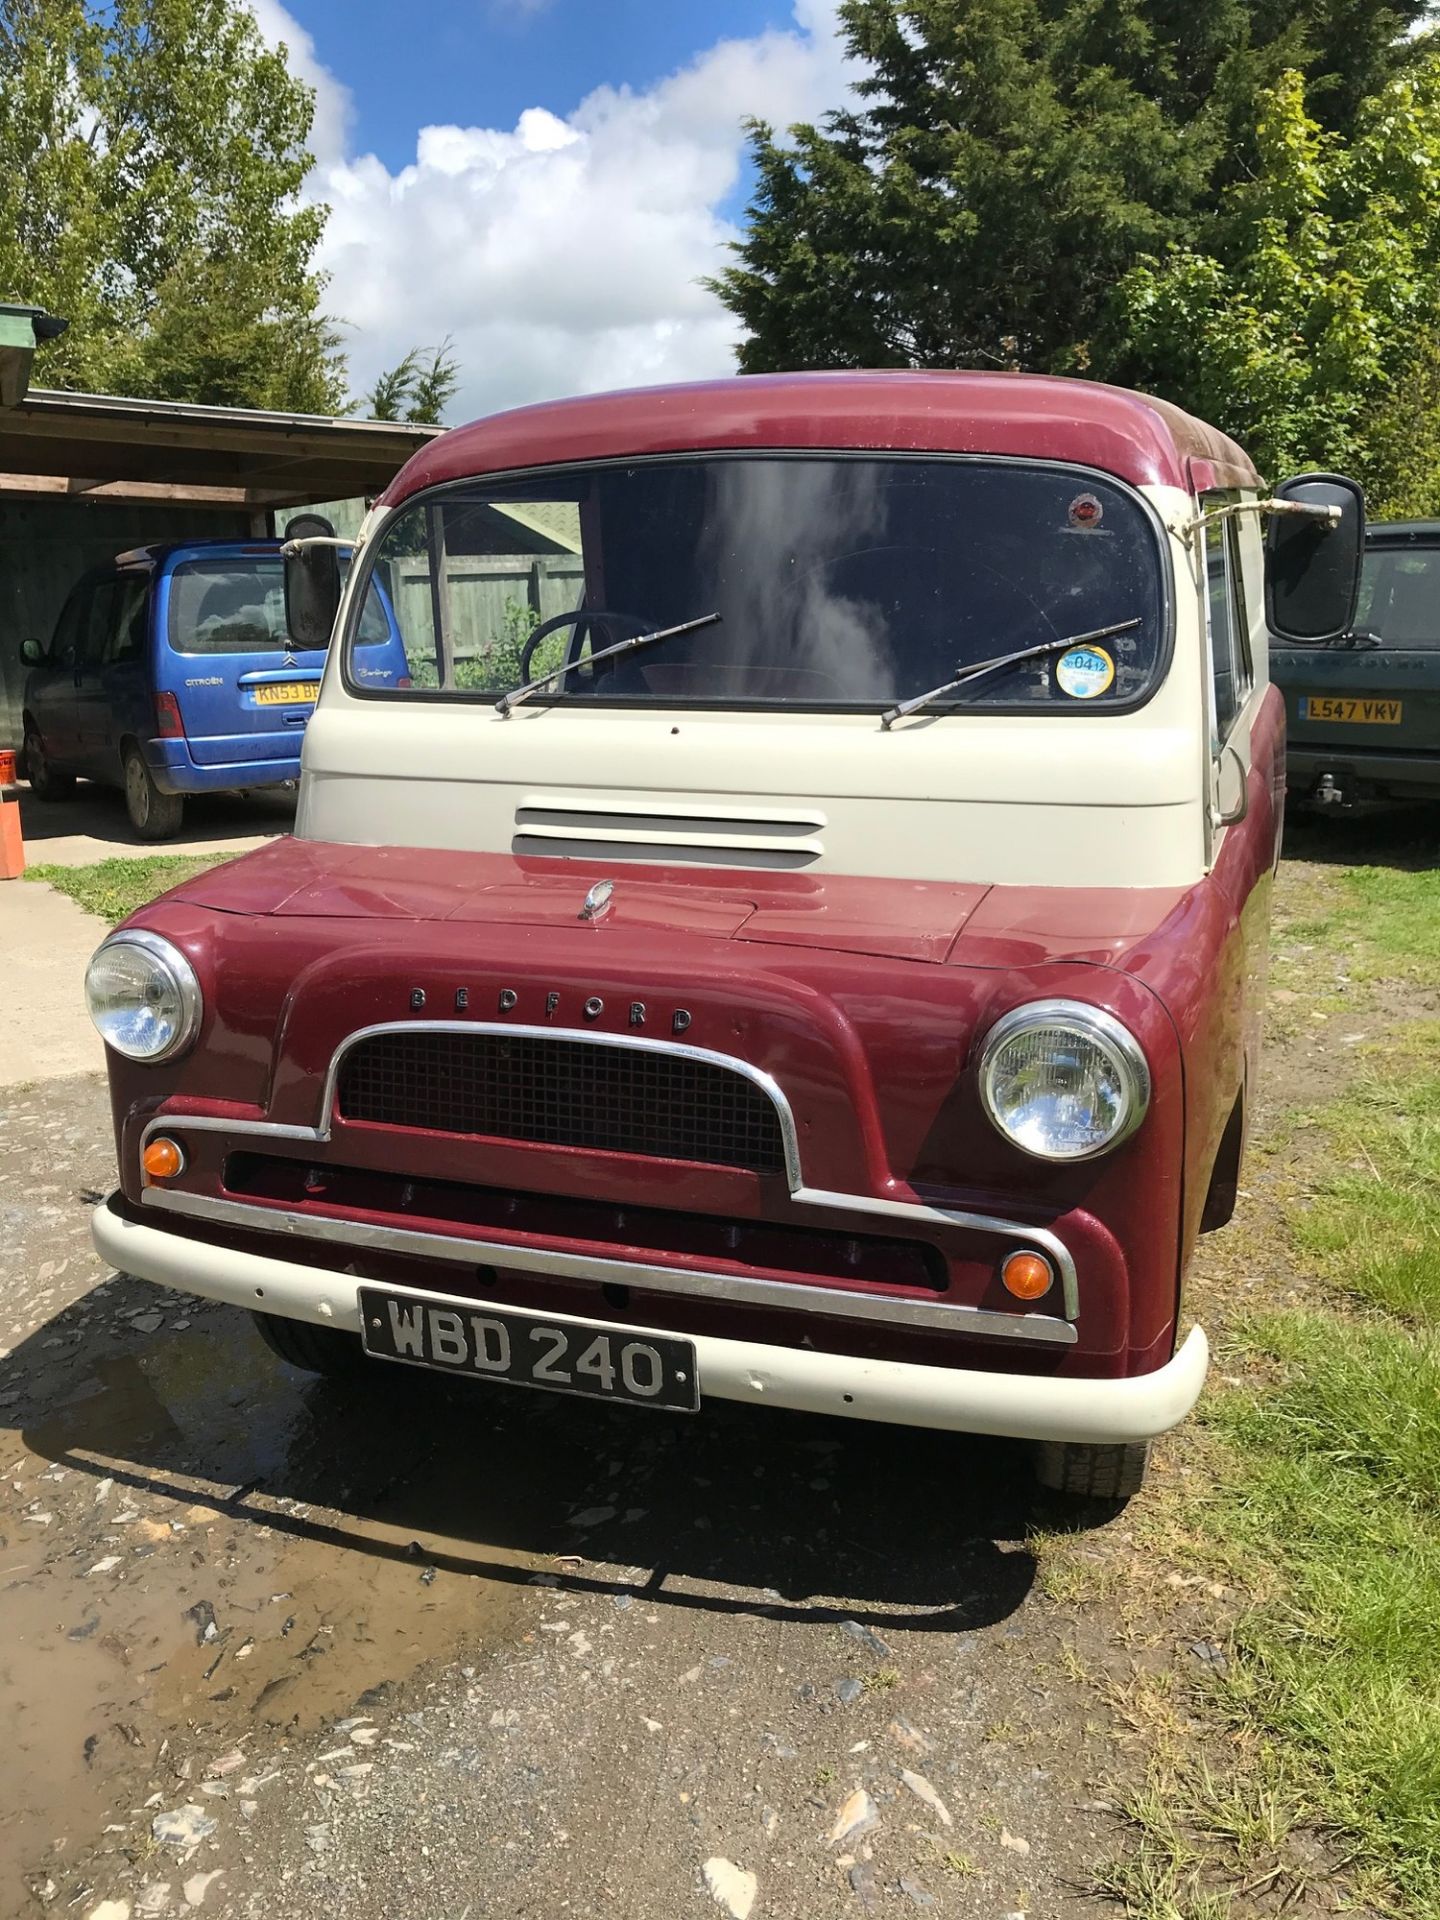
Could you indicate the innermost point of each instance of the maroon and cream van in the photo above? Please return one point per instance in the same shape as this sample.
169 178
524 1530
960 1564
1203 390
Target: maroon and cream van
795 934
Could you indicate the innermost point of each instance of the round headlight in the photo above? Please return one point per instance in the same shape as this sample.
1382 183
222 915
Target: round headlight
143 996
1063 1080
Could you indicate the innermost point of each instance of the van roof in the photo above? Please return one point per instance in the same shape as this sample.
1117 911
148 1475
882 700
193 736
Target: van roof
1399 533
156 556
1040 416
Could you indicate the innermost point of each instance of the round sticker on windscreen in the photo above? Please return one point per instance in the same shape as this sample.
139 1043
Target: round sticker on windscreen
1085 672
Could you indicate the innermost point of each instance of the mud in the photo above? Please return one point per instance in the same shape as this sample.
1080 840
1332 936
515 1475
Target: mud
236 1555
236 1558
224 1551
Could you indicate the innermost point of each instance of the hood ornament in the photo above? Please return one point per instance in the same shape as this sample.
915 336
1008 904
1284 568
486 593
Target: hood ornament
597 901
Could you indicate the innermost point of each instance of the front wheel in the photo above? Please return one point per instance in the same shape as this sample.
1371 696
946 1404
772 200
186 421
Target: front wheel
330 1351
1113 1472
154 815
45 782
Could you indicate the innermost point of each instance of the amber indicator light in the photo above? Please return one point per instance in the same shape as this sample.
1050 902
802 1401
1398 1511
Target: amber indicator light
162 1159
1027 1275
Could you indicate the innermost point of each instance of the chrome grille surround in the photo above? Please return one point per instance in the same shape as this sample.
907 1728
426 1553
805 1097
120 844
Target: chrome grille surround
563 1089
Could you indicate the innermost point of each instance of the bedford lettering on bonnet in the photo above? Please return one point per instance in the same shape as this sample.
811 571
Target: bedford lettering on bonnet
552 1007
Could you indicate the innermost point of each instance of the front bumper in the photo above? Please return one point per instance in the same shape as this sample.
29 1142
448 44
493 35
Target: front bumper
897 1392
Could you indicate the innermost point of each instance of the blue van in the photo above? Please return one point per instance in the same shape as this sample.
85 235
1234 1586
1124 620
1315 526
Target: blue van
171 672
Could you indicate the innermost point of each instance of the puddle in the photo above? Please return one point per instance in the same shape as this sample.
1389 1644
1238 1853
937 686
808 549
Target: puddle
196 1604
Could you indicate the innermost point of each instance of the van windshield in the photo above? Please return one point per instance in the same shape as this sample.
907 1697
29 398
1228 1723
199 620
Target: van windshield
844 582
235 603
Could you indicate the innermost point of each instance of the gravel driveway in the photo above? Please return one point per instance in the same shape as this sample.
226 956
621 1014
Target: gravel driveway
272 1648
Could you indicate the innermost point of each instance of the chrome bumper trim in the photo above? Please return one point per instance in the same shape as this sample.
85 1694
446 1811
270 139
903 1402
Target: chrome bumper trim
915 1211
738 1290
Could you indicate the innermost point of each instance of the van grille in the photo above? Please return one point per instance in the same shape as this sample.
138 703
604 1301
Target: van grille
564 1093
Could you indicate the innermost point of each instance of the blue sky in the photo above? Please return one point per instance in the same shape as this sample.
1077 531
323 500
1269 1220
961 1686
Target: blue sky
546 183
482 62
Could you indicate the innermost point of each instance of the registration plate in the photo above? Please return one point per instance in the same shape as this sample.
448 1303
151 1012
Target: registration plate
563 1356
1329 706
284 693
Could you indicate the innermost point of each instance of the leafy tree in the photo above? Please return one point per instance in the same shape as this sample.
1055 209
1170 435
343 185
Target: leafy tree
151 155
1309 327
416 389
1009 161
212 339
436 386
386 399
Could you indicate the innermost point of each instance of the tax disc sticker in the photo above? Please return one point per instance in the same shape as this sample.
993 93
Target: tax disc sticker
1085 511
1085 672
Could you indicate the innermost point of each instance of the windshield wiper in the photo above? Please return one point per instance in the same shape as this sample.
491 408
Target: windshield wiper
964 675
513 698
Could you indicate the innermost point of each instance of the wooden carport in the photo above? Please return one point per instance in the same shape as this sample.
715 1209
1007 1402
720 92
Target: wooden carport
67 445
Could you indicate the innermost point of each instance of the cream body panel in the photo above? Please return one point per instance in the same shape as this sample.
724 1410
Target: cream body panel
1078 799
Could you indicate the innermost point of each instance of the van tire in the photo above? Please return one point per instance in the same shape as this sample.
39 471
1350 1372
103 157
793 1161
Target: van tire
45 782
1113 1472
329 1351
154 815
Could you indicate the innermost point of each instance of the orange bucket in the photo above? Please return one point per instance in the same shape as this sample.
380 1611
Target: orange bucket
7 767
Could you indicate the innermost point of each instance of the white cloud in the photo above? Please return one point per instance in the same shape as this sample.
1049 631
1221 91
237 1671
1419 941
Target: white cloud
563 255
334 109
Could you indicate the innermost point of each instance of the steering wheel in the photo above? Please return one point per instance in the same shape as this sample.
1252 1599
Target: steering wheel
581 616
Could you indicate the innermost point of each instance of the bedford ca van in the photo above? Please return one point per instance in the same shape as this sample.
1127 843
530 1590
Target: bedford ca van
171 672
798 937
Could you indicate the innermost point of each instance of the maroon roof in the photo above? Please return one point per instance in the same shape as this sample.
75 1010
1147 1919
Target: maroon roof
1148 442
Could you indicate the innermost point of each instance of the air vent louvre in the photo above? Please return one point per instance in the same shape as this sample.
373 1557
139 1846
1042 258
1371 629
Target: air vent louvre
690 834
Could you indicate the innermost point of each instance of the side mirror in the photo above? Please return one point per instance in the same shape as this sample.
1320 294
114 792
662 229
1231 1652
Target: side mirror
312 582
1312 564
32 654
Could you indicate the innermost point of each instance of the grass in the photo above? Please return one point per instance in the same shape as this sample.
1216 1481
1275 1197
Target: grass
1397 914
113 889
1321 1495
1343 1490
1385 921
1307 1500
1372 1229
1336 1487
1162 1874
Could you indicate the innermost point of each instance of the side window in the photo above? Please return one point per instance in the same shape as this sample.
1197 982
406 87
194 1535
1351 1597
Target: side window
65 646
125 641
1230 666
470 581
95 623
